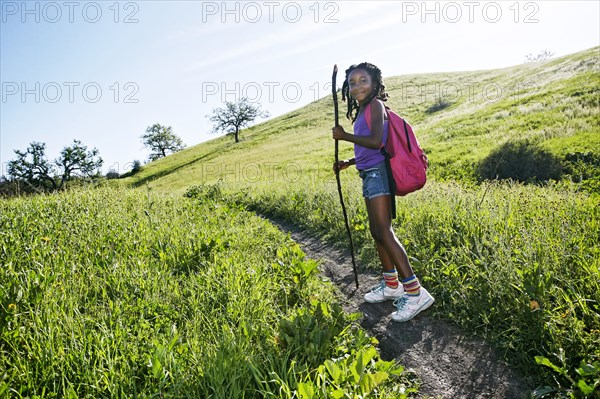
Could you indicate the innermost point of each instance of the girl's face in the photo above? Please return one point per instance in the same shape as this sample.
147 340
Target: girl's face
361 85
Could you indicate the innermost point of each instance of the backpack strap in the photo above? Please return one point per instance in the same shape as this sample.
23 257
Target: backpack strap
407 136
391 181
368 120
388 166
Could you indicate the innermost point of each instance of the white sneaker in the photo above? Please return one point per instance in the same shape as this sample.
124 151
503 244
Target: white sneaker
382 293
409 306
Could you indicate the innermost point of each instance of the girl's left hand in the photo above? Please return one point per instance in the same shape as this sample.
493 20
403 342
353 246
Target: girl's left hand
341 165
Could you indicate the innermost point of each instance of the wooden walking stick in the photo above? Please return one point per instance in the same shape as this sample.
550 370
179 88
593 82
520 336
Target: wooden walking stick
337 172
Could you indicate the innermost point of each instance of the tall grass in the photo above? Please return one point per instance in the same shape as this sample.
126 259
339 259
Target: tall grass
117 293
518 265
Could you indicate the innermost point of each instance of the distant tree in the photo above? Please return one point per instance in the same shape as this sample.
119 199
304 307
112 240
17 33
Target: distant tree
32 167
77 161
161 140
235 116
137 165
544 55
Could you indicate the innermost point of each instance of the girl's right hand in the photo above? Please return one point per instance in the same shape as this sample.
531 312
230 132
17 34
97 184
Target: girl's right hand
338 132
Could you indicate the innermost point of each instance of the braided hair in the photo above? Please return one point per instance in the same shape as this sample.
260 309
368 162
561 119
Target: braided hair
378 91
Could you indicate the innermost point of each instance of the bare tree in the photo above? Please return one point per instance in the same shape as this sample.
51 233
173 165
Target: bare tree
161 140
234 116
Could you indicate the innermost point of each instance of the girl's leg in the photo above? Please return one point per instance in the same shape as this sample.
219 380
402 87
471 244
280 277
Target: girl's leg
390 288
386 262
416 299
391 252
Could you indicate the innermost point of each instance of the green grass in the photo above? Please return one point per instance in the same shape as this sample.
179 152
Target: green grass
122 293
486 253
516 264
489 252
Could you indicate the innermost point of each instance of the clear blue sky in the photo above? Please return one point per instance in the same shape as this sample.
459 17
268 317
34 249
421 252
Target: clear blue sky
102 71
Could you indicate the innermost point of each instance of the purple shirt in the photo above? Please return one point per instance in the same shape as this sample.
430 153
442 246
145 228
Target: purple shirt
367 158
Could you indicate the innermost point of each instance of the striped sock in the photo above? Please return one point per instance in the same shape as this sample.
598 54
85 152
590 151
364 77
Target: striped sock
412 286
391 279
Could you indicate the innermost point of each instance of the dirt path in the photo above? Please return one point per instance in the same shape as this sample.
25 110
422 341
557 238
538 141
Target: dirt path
449 364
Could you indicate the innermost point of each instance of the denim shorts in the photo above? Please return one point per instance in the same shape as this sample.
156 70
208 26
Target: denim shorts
375 181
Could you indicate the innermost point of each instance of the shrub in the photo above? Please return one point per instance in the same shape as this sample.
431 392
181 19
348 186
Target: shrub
439 105
112 174
522 161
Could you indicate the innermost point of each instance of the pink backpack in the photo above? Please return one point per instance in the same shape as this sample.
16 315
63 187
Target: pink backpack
407 160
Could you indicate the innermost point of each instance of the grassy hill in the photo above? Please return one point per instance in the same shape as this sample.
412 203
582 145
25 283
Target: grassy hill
515 263
554 105
113 292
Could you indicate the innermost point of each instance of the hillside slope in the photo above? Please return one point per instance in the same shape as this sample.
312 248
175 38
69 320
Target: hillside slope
554 104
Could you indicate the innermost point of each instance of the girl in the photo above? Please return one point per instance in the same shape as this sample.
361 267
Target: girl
363 85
